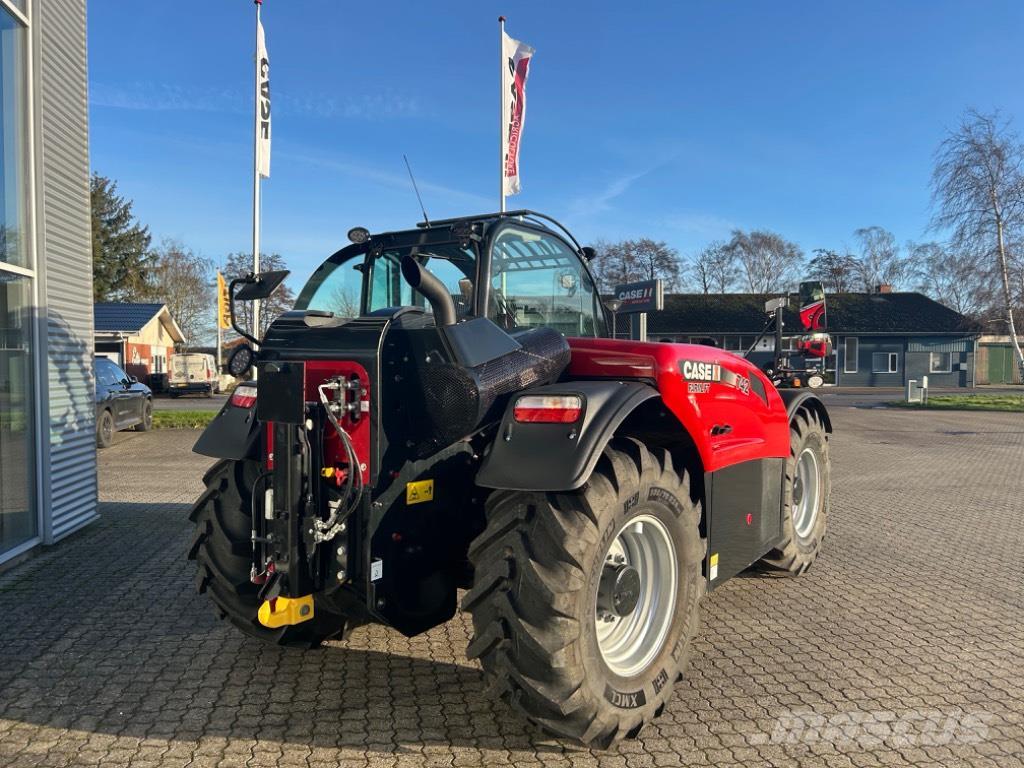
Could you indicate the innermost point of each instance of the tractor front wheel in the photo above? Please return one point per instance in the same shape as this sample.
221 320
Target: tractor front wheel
585 602
805 496
222 551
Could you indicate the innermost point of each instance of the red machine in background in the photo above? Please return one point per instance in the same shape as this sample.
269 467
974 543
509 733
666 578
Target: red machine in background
814 345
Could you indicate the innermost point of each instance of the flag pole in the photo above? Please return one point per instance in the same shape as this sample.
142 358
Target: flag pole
256 171
501 113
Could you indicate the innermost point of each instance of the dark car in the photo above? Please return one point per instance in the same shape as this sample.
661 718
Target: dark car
121 402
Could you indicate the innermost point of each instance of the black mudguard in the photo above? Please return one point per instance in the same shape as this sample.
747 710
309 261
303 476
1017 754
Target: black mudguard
560 457
797 398
233 434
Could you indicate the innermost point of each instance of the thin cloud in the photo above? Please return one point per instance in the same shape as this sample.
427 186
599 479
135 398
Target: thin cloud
433 193
601 201
164 97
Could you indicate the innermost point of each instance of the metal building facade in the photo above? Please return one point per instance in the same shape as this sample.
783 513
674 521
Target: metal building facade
45 127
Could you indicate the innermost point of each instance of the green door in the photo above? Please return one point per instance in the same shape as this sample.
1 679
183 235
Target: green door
1000 364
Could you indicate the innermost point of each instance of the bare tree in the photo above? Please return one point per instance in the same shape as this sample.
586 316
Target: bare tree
880 261
837 271
768 262
714 269
956 279
184 282
239 265
631 260
978 194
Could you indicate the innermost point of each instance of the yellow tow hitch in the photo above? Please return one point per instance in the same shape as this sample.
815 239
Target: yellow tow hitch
285 611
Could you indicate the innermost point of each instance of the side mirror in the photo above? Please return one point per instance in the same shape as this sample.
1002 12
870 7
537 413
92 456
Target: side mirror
260 286
253 287
589 253
133 380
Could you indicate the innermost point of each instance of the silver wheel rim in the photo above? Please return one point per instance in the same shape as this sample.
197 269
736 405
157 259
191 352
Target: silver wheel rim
629 643
806 492
108 428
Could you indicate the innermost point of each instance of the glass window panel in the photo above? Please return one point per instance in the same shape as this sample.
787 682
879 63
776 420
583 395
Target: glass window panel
13 243
17 453
537 281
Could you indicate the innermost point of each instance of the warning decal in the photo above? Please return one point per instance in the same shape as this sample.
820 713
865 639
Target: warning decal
419 491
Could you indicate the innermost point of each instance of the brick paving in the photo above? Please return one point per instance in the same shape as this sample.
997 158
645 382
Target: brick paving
904 645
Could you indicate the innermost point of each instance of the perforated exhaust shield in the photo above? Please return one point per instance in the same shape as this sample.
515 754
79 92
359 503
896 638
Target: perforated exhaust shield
460 399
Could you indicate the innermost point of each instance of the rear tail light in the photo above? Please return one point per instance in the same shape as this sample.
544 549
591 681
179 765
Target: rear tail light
548 409
244 396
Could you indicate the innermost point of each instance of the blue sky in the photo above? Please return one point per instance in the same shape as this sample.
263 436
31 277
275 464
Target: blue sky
678 121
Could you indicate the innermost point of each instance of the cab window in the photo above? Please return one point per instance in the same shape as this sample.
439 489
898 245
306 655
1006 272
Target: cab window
338 286
537 280
452 265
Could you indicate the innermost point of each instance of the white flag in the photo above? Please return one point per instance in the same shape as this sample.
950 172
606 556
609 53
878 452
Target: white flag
262 104
516 57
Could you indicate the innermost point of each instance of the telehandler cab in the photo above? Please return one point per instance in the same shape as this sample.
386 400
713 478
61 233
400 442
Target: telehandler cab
443 410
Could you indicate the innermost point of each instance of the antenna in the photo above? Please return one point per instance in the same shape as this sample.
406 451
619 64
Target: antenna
412 178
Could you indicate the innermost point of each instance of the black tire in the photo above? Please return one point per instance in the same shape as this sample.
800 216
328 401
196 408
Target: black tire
222 550
802 544
147 417
105 429
538 568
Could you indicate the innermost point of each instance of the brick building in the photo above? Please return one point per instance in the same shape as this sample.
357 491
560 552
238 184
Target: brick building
138 337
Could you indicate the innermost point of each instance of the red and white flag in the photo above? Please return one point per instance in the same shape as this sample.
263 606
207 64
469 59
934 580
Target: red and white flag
516 58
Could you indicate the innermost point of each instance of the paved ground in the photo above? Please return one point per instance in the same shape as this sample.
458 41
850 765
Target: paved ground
903 646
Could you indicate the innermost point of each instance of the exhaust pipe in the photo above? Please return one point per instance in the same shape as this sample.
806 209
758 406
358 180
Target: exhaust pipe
433 290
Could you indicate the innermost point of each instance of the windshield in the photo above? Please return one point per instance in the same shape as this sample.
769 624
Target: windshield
337 285
182 363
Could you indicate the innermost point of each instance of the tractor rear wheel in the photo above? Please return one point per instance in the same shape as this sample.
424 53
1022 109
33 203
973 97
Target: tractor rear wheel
585 602
805 496
222 551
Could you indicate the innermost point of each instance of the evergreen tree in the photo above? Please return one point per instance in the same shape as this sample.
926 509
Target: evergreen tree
120 245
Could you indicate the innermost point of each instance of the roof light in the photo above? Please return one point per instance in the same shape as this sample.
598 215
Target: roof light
548 409
244 396
359 235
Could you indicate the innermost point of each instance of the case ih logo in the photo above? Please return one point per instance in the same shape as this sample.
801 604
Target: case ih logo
697 371
646 296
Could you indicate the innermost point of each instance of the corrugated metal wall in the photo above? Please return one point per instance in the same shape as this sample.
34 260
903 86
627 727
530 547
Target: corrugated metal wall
912 361
64 238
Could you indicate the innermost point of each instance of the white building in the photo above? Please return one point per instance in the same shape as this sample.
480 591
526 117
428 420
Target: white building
47 402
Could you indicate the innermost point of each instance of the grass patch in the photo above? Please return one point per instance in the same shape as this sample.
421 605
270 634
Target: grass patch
182 419
1011 403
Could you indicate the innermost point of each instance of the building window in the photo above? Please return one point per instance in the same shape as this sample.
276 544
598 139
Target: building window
940 362
884 362
17 396
850 355
17 411
738 343
13 209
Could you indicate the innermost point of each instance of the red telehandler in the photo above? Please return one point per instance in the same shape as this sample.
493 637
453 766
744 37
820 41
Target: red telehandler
444 410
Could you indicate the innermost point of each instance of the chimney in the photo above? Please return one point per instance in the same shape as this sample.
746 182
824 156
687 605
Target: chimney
883 288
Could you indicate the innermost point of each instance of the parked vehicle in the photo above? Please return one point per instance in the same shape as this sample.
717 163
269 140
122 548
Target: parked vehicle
444 410
193 372
121 402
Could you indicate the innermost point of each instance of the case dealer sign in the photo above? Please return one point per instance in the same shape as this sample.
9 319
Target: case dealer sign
645 296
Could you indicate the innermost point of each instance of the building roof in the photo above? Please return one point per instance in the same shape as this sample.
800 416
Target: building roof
127 317
858 313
